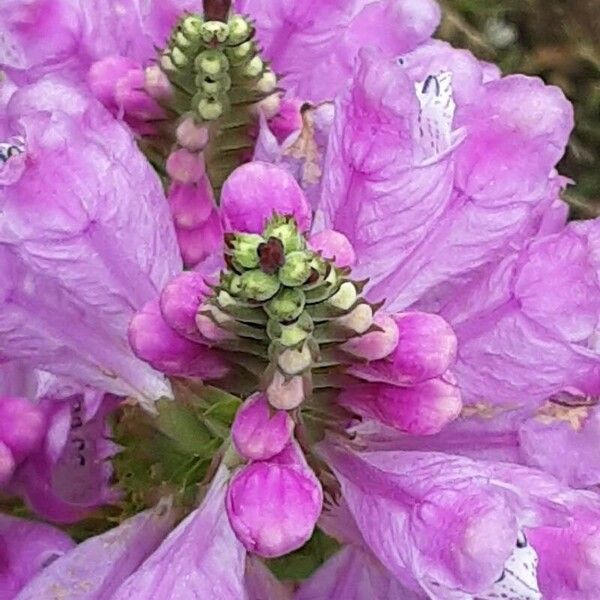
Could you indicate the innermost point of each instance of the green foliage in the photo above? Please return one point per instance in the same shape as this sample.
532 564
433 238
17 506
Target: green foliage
302 563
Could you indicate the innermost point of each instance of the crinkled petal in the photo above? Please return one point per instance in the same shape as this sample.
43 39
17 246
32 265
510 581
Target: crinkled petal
353 575
314 43
87 240
536 312
95 569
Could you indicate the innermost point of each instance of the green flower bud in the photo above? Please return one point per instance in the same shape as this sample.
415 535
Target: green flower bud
254 67
296 269
293 362
267 83
287 305
286 230
258 285
244 248
213 63
214 29
292 335
231 283
345 297
238 54
239 30
210 109
192 26
167 64
214 86
178 57
181 41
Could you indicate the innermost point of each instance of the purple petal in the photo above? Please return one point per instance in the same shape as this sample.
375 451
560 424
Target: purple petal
81 253
27 548
314 43
536 312
261 584
201 558
353 575
95 569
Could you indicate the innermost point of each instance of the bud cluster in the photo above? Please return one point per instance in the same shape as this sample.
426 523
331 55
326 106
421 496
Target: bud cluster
286 310
217 78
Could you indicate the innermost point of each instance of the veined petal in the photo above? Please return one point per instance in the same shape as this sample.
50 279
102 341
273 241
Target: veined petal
95 569
201 558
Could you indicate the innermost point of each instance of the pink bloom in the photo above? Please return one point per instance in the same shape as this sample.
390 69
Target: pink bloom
273 505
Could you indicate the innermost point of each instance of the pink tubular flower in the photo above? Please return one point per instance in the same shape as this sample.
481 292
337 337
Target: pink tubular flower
273 505
258 435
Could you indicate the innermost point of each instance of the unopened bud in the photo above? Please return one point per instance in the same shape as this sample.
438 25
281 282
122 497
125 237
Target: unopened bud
210 109
254 67
296 269
214 86
267 83
245 249
287 305
191 135
285 394
239 30
258 285
239 53
359 320
156 83
167 64
286 231
269 107
192 26
345 297
209 320
214 30
293 362
181 40
178 57
212 62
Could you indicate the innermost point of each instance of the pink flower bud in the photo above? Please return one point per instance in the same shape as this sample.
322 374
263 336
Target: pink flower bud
104 75
155 342
196 244
192 136
258 432
334 246
134 99
185 166
273 506
423 409
426 345
7 464
376 344
208 321
180 300
285 394
248 200
426 348
191 203
22 425
157 84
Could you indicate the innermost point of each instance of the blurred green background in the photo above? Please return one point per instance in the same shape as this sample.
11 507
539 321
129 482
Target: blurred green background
558 40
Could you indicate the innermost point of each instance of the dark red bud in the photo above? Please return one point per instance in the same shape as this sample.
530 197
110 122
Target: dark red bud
217 10
271 255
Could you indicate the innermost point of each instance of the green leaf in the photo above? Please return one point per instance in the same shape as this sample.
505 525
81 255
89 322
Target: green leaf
302 563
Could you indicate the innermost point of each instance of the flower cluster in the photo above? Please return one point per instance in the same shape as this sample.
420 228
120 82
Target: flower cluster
280 272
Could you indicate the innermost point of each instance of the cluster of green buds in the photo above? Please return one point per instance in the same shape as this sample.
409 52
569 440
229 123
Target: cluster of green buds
283 313
218 79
